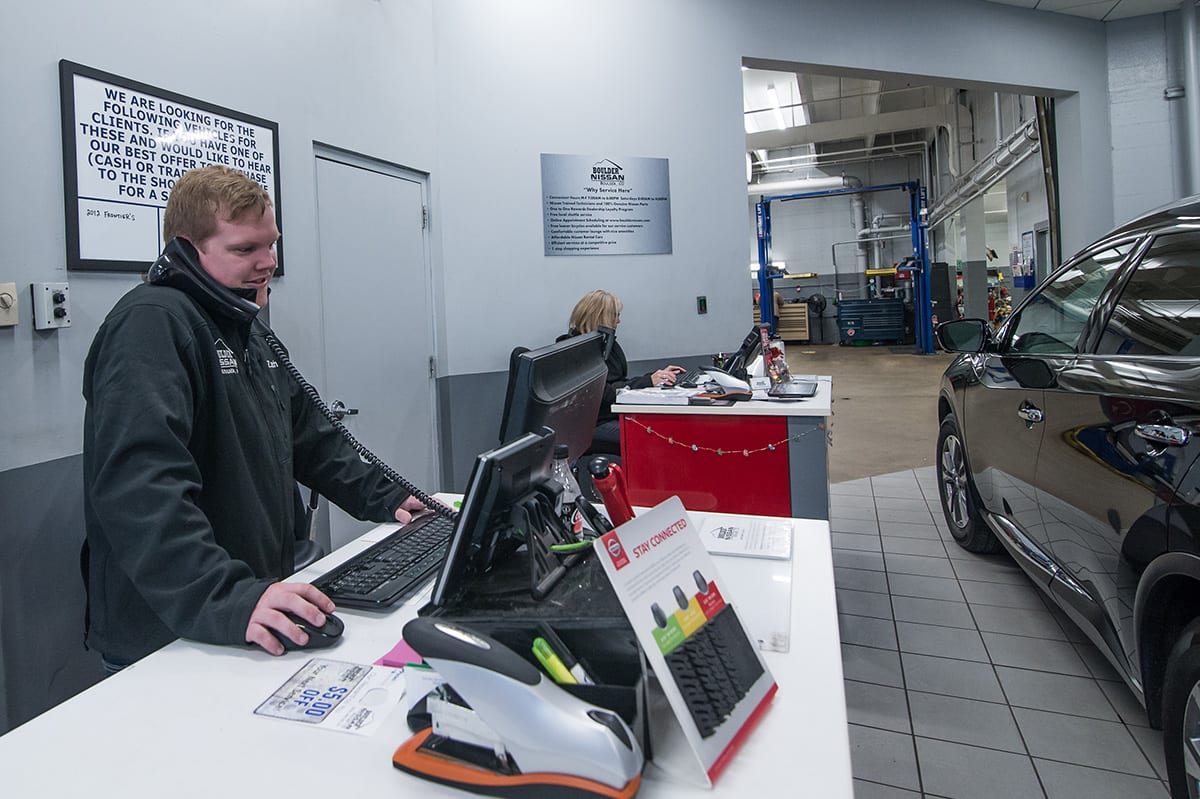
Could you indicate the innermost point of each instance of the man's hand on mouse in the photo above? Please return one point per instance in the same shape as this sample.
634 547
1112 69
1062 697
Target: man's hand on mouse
666 376
301 599
407 508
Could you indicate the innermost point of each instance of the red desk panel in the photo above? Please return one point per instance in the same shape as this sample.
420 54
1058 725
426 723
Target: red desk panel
661 463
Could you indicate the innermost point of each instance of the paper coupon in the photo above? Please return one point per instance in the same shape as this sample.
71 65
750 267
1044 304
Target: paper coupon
335 695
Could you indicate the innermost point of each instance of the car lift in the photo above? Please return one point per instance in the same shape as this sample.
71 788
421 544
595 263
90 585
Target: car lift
922 308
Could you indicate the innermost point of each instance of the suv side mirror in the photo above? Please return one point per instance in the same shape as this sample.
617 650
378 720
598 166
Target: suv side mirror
963 335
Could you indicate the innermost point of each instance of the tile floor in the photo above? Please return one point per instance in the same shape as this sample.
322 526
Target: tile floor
961 681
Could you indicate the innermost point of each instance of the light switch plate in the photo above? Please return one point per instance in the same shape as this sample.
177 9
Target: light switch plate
51 305
8 304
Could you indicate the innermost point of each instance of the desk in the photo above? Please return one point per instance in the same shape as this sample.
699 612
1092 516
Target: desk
785 473
180 722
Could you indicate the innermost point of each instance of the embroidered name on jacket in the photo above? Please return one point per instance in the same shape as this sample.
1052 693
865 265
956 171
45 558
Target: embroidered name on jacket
226 358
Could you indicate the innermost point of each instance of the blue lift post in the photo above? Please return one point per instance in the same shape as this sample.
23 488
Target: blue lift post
922 310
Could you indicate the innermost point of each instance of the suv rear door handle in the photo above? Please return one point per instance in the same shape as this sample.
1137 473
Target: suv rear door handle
1030 413
1163 434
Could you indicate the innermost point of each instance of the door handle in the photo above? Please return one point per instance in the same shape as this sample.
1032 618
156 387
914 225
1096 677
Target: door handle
1163 434
341 411
1030 414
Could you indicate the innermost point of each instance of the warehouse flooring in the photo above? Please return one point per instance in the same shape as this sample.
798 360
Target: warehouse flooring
961 681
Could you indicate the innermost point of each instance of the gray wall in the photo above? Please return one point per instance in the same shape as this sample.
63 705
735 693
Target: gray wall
557 83
1146 142
471 91
357 74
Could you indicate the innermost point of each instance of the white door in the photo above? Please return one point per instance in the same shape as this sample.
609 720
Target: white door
378 315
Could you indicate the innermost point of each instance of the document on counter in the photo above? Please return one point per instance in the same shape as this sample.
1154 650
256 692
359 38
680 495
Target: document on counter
336 695
656 396
752 538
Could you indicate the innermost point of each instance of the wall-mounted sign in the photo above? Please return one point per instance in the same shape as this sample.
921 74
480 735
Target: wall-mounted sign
124 146
596 205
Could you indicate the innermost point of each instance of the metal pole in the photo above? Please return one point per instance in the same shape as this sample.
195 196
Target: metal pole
1192 93
922 308
766 293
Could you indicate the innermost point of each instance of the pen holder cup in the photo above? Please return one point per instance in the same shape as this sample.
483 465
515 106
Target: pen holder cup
610 656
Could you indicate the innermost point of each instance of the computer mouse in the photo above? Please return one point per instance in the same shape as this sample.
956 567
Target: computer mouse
327 634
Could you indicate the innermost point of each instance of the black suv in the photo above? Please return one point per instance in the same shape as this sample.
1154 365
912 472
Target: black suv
1069 436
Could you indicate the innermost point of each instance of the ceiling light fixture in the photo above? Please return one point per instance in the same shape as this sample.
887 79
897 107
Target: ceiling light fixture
773 97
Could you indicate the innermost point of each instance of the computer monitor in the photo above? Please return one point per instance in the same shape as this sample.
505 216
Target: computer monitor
559 386
483 534
751 346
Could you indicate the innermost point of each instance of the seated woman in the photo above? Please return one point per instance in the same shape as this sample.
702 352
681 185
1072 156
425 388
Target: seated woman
602 309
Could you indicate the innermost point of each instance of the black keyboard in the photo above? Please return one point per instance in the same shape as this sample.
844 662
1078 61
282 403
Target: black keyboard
391 570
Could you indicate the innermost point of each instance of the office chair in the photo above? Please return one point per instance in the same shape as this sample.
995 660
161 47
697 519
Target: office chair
508 393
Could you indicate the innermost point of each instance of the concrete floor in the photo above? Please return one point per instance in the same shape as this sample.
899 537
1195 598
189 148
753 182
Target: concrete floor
884 405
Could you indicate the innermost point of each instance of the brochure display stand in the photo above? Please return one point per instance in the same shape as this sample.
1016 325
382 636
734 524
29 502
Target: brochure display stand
709 669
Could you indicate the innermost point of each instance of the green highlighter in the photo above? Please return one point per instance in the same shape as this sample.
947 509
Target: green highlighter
552 663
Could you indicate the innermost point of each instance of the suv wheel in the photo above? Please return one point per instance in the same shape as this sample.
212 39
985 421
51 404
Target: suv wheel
960 503
1181 714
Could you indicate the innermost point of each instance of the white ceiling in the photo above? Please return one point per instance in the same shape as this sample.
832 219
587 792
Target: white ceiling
1104 10
827 114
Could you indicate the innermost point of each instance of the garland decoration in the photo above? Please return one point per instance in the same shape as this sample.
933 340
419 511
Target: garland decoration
746 453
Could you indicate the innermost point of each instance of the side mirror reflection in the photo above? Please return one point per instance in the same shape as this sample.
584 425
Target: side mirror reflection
963 335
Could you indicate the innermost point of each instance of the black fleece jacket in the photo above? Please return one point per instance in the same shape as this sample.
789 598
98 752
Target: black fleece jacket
194 436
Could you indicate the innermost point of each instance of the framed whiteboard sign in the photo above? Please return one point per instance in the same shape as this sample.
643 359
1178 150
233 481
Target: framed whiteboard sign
125 144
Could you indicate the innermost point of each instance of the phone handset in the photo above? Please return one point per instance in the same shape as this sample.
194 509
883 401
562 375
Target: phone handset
179 266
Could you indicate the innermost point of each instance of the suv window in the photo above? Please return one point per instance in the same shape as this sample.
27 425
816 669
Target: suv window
1053 320
1159 309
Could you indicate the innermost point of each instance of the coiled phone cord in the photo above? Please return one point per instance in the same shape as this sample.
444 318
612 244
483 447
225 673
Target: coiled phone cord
311 392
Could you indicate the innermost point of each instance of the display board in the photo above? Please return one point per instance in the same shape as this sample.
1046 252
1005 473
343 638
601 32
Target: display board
605 206
125 144
709 668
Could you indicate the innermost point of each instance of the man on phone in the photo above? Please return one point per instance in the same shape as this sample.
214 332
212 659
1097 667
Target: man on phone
194 437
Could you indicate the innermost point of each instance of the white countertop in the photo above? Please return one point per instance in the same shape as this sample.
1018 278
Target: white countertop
181 722
820 404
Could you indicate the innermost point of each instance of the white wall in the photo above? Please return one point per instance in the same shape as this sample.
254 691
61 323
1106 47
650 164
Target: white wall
356 74
1145 145
663 79
474 91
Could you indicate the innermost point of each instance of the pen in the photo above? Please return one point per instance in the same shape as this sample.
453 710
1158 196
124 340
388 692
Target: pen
565 655
552 663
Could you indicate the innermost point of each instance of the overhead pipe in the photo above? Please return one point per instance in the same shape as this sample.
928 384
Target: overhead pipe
803 185
871 234
835 153
999 124
858 215
1020 144
886 229
862 288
